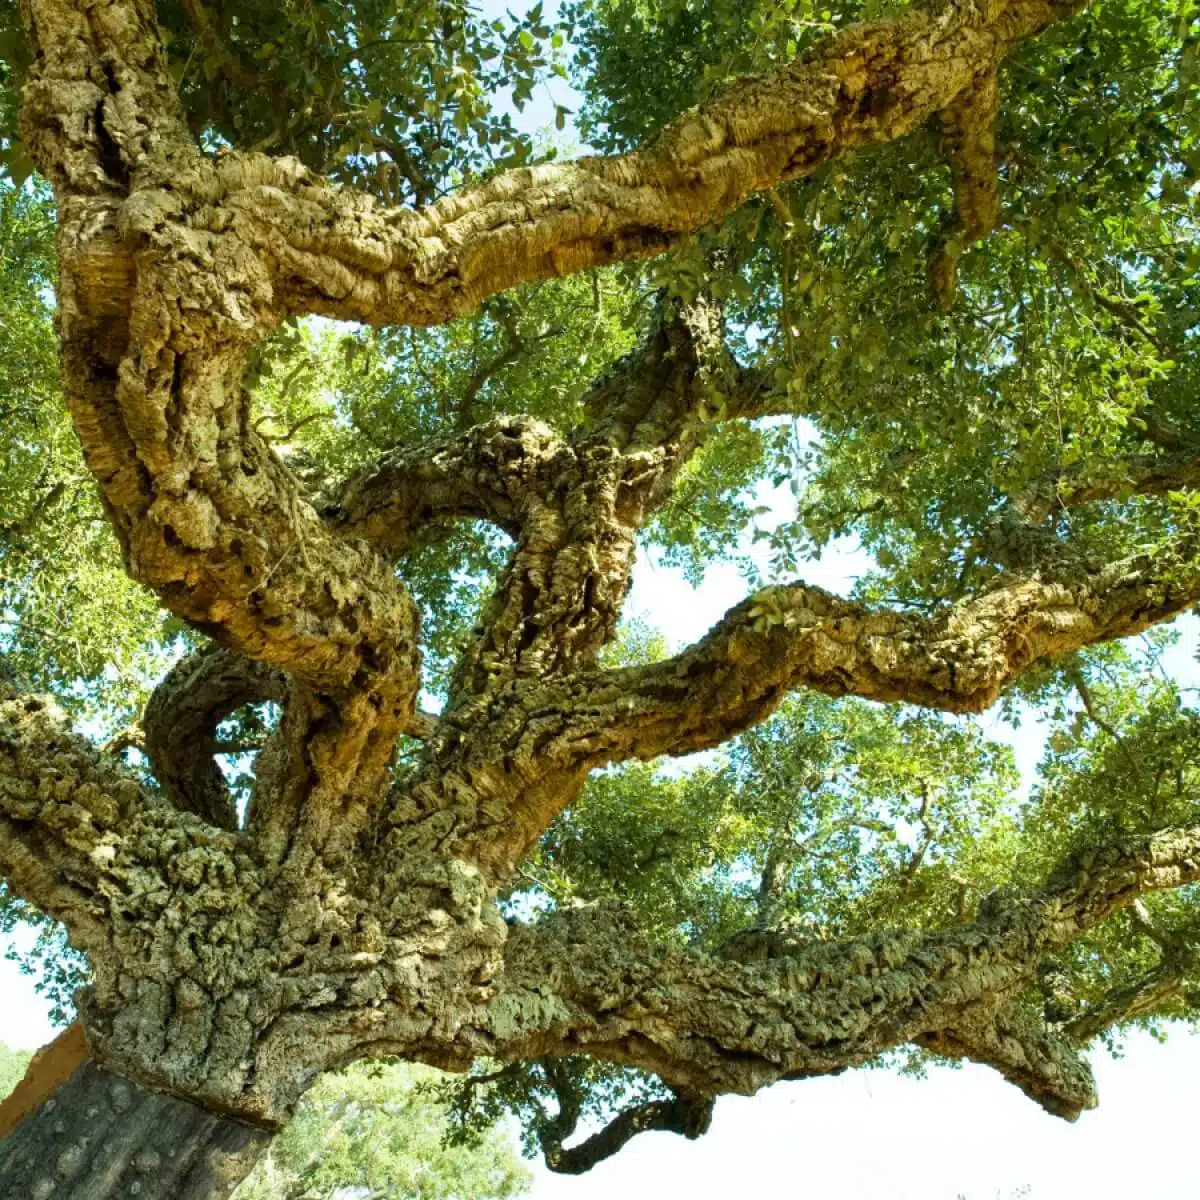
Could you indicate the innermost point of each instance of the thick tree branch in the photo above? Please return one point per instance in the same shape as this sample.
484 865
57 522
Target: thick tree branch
662 396
581 507
337 254
158 308
799 636
491 472
63 807
527 743
155 320
1043 1063
587 981
181 723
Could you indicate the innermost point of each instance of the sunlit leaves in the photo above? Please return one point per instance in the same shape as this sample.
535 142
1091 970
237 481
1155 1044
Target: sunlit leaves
828 815
378 1130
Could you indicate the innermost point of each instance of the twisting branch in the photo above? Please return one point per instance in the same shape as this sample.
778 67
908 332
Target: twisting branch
583 502
663 395
181 723
491 472
158 308
689 1116
587 980
156 318
529 742
956 661
338 255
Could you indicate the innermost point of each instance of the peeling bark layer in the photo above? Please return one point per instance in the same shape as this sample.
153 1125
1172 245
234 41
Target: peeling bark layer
100 1136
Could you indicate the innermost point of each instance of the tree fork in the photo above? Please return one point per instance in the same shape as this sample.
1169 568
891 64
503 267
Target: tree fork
75 1131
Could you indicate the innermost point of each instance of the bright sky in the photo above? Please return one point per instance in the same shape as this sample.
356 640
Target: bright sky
870 1135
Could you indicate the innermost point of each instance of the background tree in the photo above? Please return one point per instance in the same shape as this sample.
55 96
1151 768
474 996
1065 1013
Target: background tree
378 1130
334 793
12 1068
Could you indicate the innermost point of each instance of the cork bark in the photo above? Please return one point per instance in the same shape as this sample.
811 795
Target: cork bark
353 913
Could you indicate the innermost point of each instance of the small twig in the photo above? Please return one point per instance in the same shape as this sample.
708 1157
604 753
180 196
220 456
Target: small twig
293 429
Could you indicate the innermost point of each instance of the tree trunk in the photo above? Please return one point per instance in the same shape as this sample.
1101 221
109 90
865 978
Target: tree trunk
75 1131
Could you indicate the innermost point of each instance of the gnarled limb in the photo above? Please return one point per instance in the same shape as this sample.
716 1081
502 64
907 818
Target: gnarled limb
63 805
663 395
517 754
559 599
956 661
181 722
1040 1061
686 1115
648 406
489 473
155 318
157 310
337 254
586 980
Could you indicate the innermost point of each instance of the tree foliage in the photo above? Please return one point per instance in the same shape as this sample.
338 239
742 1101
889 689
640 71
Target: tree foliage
377 1131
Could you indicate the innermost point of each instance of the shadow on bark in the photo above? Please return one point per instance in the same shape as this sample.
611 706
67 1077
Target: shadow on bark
74 1131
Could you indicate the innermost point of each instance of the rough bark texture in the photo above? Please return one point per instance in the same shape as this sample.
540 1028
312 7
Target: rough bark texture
586 981
355 913
339 255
